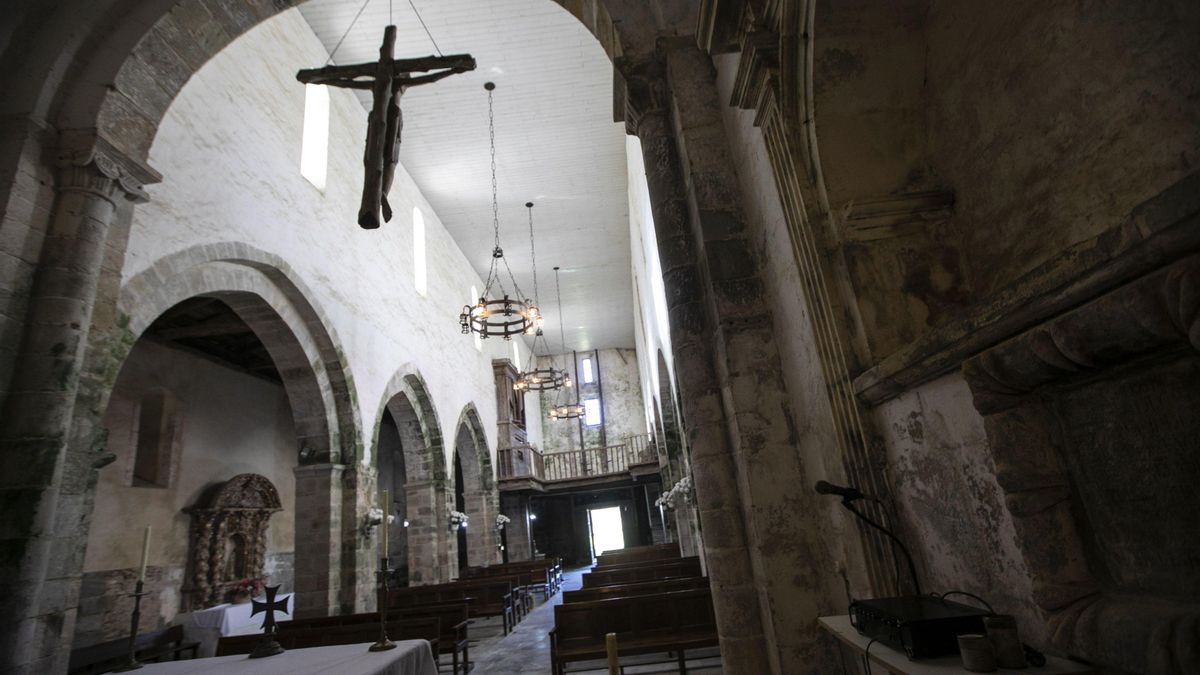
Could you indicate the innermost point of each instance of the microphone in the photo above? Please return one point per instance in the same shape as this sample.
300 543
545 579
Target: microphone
846 493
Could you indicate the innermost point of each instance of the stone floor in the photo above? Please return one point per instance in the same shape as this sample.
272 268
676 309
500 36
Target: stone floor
526 650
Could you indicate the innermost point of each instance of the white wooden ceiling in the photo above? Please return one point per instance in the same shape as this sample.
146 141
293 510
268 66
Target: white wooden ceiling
556 145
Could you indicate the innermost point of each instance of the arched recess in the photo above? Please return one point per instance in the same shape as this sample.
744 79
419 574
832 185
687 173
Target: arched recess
265 294
407 402
481 501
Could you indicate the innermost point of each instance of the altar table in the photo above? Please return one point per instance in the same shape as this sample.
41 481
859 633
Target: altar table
410 657
207 626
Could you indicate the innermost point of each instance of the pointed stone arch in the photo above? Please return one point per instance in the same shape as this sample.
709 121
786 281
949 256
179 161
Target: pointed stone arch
481 498
406 398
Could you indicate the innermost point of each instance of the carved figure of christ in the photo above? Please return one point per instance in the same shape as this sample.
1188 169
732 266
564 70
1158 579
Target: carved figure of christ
387 79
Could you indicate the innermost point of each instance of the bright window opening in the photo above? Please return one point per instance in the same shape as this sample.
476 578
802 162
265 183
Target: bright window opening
516 354
419 274
474 299
314 146
591 412
607 532
589 376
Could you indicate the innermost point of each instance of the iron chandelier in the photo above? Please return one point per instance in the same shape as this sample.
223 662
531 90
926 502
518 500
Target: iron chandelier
563 411
506 315
534 378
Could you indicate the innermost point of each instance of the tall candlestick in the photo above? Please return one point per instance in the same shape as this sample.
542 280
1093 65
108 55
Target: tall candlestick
145 553
385 524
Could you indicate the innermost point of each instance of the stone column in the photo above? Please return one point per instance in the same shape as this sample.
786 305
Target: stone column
480 507
735 598
46 498
425 532
520 545
760 549
318 539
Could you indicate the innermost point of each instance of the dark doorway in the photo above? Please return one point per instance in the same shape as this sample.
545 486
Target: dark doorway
460 505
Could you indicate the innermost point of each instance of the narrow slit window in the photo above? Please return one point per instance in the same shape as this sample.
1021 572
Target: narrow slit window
314 145
420 278
589 376
516 354
591 412
155 440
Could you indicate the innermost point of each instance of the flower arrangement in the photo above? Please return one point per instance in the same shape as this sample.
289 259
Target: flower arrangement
375 517
247 588
501 519
678 495
457 519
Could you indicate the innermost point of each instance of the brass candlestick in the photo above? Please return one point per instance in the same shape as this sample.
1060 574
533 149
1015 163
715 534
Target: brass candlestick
384 643
131 662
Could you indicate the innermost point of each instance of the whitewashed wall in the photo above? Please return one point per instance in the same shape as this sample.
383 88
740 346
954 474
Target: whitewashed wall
229 152
652 331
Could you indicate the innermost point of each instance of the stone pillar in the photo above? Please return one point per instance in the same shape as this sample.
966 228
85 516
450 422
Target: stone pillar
45 494
517 531
426 532
482 538
735 598
750 484
318 539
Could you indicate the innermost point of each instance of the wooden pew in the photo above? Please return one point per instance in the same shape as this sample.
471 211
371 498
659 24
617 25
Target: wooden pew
638 553
644 624
348 630
548 572
667 570
639 588
484 597
151 647
522 587
643 563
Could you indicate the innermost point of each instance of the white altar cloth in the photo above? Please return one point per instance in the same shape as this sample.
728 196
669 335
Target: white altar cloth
207 626
410 657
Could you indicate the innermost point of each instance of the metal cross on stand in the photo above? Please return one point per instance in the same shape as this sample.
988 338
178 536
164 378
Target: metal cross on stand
268 646
387 79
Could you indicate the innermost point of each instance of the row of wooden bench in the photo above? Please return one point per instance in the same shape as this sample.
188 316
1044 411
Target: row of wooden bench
438 613
652 601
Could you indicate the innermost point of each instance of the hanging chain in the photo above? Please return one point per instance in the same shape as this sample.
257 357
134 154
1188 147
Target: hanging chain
414 9
348 29
562 334
492 140
533 256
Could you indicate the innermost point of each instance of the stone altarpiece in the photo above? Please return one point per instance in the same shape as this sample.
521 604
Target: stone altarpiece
228 537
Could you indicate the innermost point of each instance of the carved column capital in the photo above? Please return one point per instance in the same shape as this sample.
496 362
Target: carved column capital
89 163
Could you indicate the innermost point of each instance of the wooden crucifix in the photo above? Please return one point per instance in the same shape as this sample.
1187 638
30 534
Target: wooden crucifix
387 79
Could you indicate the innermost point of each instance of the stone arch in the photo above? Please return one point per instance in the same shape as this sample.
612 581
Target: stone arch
480 495
406 398
265 293
115 83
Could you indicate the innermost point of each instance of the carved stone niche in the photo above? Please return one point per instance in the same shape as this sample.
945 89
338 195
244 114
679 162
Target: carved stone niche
1094 423
229 538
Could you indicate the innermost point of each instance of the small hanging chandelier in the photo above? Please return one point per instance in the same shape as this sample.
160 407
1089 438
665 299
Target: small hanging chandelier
563 411
504 316
534 378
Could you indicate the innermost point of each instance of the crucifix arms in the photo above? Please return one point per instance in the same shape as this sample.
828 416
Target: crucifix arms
363 75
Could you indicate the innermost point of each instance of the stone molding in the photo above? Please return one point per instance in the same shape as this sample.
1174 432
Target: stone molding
1013 386
1160 230
774 79
91 164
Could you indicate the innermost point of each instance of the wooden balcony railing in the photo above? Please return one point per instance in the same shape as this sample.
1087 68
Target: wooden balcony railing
527 462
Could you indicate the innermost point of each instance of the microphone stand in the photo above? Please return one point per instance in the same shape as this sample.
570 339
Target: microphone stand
912 569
